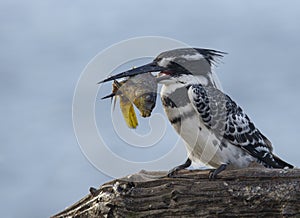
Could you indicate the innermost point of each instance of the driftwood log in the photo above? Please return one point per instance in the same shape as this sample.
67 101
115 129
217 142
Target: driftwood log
252 192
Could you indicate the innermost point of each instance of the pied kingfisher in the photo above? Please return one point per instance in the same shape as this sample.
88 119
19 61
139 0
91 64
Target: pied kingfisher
216 131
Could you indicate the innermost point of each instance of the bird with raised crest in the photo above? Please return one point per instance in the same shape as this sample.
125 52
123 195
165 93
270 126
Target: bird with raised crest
216 131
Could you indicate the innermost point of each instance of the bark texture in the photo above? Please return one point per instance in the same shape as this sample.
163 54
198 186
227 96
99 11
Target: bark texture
252 192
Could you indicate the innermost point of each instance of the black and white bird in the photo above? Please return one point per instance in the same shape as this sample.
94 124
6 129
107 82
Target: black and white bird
216 131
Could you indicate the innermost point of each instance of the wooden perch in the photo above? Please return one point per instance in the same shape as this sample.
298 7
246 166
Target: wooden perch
250 192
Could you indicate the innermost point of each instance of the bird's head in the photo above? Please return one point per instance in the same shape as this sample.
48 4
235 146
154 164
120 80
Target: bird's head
178 66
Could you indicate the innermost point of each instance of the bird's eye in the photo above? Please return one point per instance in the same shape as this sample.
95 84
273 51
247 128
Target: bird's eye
157 59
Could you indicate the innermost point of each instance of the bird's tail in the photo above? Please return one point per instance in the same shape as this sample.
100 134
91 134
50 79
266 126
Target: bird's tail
267 158
281 164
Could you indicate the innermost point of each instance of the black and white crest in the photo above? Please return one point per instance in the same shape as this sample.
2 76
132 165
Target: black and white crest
193 61
191 54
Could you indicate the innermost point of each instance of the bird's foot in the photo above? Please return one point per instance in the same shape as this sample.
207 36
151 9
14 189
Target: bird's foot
213 173
173 171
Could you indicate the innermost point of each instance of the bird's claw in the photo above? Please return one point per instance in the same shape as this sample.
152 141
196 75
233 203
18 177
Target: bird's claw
212 175
171 173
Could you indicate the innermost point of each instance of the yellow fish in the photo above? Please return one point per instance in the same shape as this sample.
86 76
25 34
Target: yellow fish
140 90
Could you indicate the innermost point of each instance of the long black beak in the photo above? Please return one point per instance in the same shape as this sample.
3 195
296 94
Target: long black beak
151 67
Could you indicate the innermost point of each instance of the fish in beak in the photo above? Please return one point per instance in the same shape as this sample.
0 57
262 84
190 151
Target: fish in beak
139 90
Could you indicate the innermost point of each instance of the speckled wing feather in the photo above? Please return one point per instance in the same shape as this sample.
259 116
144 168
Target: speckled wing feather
228 122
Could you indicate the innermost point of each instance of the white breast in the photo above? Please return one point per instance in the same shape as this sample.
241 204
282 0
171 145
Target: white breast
201 144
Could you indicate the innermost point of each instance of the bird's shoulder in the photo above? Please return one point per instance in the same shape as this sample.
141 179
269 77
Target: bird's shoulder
226 119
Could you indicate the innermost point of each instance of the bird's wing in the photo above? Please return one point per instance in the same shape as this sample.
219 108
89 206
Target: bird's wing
227 120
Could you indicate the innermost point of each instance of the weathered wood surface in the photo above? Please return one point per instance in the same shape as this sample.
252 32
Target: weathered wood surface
252 192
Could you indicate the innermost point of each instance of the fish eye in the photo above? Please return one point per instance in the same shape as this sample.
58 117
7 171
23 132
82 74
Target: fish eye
148 97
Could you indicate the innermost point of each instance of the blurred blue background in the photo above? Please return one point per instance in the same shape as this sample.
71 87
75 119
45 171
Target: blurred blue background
46 44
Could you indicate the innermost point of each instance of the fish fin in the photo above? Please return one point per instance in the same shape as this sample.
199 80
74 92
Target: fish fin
115 102
128 112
